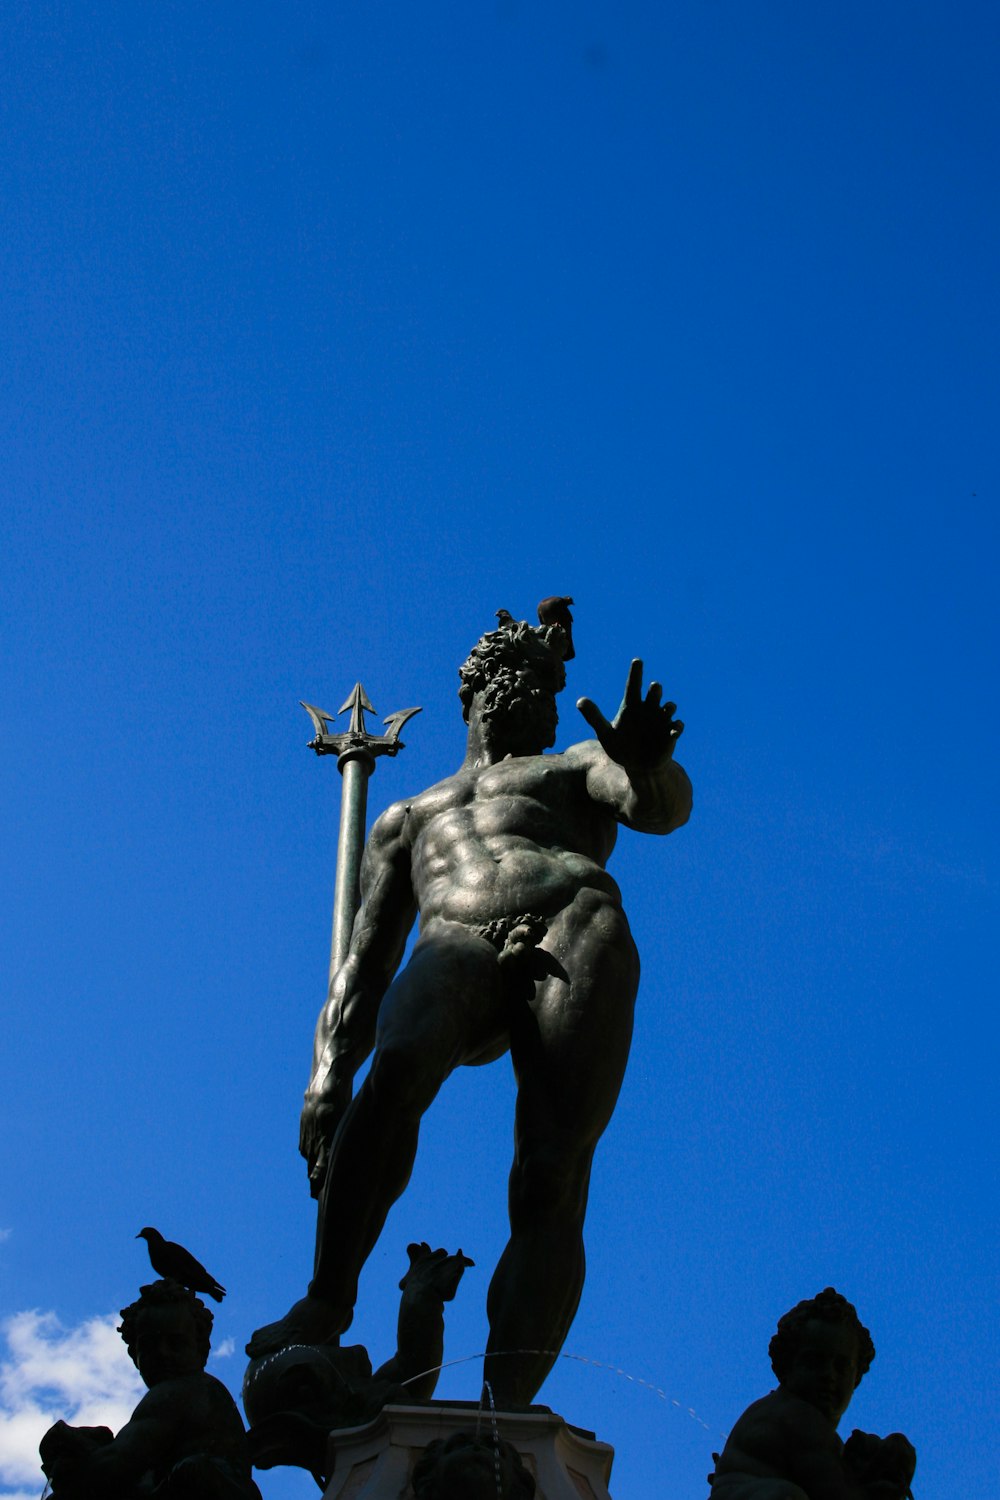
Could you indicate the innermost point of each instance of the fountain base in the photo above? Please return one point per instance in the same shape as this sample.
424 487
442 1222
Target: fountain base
377 1461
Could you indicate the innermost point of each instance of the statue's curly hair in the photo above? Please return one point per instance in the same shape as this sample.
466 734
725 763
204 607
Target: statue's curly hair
827 1306
508 649
166 1294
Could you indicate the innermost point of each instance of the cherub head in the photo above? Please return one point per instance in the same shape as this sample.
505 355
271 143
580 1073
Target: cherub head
167 1332
820 1352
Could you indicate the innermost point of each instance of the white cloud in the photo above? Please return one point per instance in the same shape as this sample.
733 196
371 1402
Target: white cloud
81 1374
5 1235
226 1349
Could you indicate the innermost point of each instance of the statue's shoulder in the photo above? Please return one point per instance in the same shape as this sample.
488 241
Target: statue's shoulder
194 1403
757 1442
581 756
581 759
403 820
181 1400
785 1421
225 1413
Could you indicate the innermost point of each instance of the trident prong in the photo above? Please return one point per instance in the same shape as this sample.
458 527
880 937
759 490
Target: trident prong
396 721
319 718
359 706
356 751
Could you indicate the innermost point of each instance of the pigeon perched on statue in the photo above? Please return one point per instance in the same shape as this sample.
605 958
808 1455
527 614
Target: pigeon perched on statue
555 611
177 1264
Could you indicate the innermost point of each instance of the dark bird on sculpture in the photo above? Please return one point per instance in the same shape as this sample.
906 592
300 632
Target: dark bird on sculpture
505 620
555 611
177 1264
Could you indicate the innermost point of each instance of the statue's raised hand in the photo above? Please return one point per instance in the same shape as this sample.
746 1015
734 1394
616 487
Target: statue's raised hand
643 732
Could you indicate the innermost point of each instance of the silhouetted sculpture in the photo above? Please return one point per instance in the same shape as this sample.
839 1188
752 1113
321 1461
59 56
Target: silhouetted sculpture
431 1281
294 1399
786 1446
523 946
177 1264
464 1467
184 1441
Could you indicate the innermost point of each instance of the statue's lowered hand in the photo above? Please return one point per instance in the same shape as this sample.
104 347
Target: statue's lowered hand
321 1114
644 731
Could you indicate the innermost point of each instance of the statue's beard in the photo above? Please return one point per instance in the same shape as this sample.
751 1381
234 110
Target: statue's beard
518 719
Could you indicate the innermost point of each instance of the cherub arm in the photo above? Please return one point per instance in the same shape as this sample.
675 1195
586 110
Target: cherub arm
81 1469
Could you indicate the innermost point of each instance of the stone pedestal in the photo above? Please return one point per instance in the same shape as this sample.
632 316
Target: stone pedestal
375 1462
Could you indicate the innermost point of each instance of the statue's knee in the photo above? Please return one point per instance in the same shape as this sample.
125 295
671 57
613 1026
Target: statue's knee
549 1188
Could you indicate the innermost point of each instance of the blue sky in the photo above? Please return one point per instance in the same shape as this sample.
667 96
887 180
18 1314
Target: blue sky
327 331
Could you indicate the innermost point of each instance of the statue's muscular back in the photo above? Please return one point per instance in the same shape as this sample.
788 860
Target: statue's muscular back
522 835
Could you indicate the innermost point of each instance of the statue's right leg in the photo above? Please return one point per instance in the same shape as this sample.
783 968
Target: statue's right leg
443 1009
430 1021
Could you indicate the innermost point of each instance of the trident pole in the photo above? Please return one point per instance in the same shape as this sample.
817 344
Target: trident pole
355 766
356 751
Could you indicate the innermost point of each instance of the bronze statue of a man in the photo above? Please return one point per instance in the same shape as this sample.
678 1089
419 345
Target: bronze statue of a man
523 946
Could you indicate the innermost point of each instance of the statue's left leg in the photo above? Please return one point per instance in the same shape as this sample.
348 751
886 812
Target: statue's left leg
569 1047
445 1008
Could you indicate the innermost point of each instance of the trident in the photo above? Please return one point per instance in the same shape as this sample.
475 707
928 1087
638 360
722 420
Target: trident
356 751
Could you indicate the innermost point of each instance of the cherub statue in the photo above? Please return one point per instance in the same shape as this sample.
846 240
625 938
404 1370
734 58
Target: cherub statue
294 1399
184 1441
786 1446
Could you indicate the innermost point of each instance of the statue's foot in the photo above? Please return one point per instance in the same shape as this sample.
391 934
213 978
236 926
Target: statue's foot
310 1321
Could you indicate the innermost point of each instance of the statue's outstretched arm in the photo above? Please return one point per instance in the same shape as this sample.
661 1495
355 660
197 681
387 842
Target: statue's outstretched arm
345 1030
636 775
